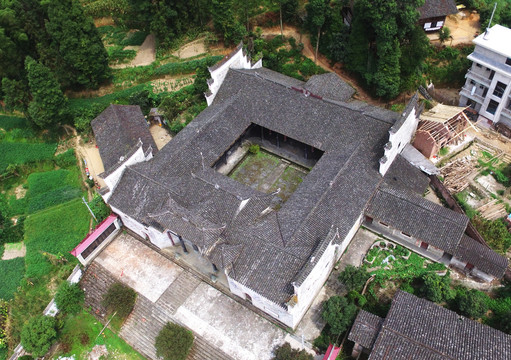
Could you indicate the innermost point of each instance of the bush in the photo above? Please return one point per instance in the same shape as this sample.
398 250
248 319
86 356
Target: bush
254 149
471 303
26 357
38 335
286 352
494 232
338 314
119 298
99 208
353 278
69 298
173 342
437 288
66 159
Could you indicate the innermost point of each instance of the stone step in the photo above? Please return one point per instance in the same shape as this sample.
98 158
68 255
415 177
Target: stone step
177 293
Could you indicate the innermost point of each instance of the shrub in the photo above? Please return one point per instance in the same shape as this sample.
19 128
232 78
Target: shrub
471 303
38 335
66 159
286 352
353 278
99 208
437 288
69 298
26 357
119 298
338 314
173 342
254 149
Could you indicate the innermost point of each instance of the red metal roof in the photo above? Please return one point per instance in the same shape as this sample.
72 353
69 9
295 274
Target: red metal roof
332 352
93 235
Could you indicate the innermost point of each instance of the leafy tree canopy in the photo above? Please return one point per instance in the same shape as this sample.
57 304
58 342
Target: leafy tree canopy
353 278
38 335
69 298
286 352
173 342
338 313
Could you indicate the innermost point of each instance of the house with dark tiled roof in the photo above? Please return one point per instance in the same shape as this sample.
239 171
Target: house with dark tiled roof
433 13
123 138
276 251
418 329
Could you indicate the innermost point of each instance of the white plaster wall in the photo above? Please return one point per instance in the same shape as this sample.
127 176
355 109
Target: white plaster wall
261 302
113 179
482 275
236 61
158 238
399 139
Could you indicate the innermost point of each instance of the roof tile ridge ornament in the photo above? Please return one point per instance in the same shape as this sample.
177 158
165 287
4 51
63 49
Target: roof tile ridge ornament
226 57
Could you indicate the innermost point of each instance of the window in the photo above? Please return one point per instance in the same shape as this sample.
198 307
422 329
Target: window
424 245
481 86
499 89
508 104
492 74
405 234
485 91
479 65
508 61
472 82
382 223
492 107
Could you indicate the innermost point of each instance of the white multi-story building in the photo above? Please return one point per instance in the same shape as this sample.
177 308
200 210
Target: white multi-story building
487 89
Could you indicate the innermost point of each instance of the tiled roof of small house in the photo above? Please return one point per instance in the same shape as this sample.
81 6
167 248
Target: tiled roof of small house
471 251
365 329
117 131
436 8
418 329
330 86
422 219
402 174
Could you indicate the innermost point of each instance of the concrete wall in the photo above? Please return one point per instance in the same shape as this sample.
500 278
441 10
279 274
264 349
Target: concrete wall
474 272
399 138
113 179
235 60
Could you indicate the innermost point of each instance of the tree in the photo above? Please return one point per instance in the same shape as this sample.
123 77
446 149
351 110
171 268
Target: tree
353 278
49 105
338 314
74 37
226 23
201 77
316 14
437 288
119 298
471 303
494 232
16 95
173 342
286 352
69 298
444 34
38 335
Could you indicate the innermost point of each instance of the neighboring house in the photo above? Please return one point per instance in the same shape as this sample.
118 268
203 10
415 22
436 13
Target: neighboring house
487 89
433 13
275 254
418 329
123 138
441 126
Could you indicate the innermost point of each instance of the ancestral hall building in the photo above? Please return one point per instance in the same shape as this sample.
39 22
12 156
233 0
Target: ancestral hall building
276 253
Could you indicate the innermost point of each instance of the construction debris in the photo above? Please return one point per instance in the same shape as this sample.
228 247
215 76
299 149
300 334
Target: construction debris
492 210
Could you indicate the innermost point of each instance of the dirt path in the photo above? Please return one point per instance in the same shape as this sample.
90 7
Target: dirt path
308 51
146 54
194 48
160 135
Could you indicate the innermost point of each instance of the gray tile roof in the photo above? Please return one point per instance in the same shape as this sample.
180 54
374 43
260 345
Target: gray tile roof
471 251
402 174
418 217
329 86
365 329
421 330
117 131
436 8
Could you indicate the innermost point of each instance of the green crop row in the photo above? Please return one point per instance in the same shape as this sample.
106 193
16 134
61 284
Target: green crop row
21 153
12 272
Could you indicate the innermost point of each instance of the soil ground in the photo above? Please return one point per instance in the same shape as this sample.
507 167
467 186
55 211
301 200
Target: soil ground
194 48
20 192
146 54
90 153
160 135
14 250
464 27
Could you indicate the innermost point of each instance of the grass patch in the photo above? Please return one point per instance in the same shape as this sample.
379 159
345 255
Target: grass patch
13 122
55 231
12 272
80 334
14 246
22 153
254 168
52 188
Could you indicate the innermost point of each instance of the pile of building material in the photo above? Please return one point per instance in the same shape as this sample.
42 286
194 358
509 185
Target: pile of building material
457 174
492 210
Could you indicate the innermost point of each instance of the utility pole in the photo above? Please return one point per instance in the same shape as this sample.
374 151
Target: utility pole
85 202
